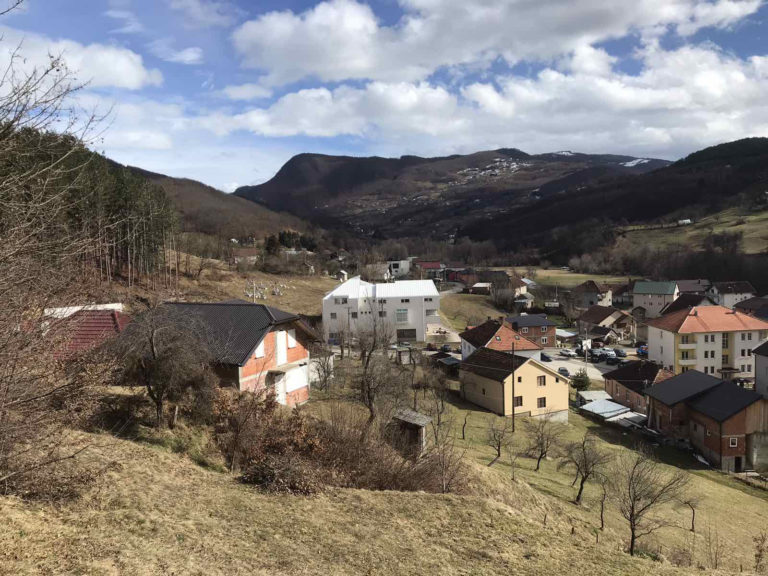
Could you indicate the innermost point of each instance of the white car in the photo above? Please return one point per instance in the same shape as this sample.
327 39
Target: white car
567 352
609 352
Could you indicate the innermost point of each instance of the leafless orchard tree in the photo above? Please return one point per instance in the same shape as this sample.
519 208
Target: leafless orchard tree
542 434
641 486
499 435
586 459
323 362
447 457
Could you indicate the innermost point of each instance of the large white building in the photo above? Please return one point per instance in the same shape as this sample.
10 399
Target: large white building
408 306
711 339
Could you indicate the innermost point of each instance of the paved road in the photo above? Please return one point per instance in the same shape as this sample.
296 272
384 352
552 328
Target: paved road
595 371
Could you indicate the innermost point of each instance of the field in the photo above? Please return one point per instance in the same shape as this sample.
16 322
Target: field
566 278
459 310
754 228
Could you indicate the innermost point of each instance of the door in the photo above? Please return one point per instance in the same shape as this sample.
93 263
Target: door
282 347
737 464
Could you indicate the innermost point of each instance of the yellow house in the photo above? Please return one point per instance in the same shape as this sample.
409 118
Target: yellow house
502 383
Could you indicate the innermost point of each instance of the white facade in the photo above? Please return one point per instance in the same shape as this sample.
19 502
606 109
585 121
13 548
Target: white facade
705 352
653 303
728 299
399 268
408 306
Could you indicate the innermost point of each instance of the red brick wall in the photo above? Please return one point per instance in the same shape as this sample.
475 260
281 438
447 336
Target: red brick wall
626 397
719 439
535 333
260 366
297 396
678 426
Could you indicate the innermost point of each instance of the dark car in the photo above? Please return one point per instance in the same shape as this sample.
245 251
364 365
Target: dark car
613 361
620 353
564 371
431 347
445 348
546 357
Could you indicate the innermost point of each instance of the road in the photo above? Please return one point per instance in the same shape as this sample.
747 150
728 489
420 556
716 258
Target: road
594 371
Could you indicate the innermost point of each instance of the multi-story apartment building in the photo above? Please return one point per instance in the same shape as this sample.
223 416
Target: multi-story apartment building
649 298
711 339
405 307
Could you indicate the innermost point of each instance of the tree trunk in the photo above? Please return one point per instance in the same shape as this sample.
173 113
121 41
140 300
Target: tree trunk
159 423
632 539
581 489
538 462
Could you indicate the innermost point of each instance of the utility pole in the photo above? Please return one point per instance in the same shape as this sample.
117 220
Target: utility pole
513 386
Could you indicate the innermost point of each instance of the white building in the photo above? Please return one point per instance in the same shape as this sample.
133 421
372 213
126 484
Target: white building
408 305
651 297
711 339
399 268
729 294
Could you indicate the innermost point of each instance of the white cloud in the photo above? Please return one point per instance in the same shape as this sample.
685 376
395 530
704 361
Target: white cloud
98 64
246 92
342 39
206 13
163 49
130 22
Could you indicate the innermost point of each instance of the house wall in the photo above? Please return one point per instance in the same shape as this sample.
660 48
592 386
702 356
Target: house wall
587 299
661 347
653 303
626 397
728 300
544 336
713 438
761 375
669 420
484 392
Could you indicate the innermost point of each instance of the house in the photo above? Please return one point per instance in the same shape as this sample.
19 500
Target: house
483 288
399 268
445 362
535 327
430 269
497 335
627 384
342 276
756 306
729 294
761 369
621 324
722 420
651 297
696 286
84 330
378 272
407 306
711 339
686 300
508 385
621 294
590 293
257 347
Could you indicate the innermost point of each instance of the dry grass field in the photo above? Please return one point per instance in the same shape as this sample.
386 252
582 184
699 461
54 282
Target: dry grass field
565 278
458 310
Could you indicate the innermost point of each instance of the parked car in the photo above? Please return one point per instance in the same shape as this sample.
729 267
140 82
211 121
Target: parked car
609 353
431 347
546 357
613 361
564 371
445 348
620 352
567 352
642 351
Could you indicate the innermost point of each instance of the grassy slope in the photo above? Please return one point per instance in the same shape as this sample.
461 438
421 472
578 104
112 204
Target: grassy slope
458 310
566 279
160 513
754 227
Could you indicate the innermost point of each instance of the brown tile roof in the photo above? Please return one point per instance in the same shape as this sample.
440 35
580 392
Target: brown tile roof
497 336
86 329
596 314
700 319
591 286
492 364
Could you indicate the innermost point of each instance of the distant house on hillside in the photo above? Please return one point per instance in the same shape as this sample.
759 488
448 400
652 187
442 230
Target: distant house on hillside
510 385
399 268
628 383
431 269
497 335
729 294
258 347
685 301
590 293
618 321
757 307
379 272
696 286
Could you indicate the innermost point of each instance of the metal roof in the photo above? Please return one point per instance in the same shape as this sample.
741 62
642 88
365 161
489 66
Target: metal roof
682 387
604 409
528 320
643 287
723 401
412 417
357 288
592 395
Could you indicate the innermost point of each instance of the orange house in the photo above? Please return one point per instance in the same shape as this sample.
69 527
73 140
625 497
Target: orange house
256 347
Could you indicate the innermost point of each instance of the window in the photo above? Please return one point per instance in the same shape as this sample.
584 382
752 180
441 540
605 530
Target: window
402 315
749 336
427 299
544 340
743 337
260 349
291 338
519 378
541 381
382 300
749 352
541 402
706 337
726 359
733 442
404 300
339 300
543 329
706 353
661 349
431 312
383 314
518 401
354 315
483 391
749 367
395 265
525 330
684 339
725 340
684 355
333 315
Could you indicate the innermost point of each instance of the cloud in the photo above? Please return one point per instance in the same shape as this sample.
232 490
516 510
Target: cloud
206 13
130 23
98 64
337 40
246 92
163 49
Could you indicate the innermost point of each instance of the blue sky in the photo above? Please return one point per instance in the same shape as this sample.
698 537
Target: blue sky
225 92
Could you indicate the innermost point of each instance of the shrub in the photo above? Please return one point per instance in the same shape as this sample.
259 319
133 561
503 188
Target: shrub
282 473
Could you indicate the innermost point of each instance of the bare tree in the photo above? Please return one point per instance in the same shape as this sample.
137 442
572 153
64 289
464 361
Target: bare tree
587 460
377 379
435 386
692 503
323 366
542 434
448 459
164 352
715 547
761 548
499 435
640 486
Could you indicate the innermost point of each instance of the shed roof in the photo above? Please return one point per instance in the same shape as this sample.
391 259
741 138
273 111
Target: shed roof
761 350
412 417
590 286
596 314
693 286
685 386
685 301
86 329
604 408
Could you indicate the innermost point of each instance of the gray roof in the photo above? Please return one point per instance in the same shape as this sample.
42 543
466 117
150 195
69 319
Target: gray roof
529 320
233 328
412 417
685 386
604 408
643 287
724 400
761 350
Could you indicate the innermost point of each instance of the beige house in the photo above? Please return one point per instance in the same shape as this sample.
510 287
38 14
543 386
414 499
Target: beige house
505 384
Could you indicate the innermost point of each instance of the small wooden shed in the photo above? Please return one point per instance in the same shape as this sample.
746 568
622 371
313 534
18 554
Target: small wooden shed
409 431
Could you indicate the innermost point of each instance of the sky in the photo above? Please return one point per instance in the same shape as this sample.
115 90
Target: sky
225 92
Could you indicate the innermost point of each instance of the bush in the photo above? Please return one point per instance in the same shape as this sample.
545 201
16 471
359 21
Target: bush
282 473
